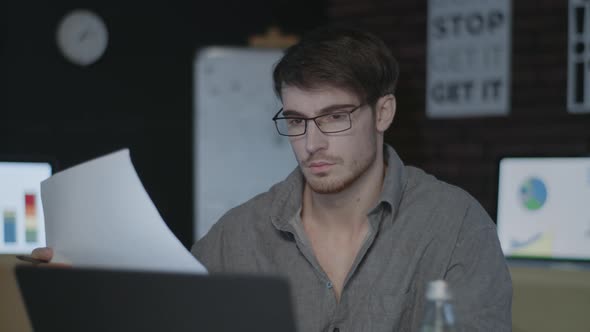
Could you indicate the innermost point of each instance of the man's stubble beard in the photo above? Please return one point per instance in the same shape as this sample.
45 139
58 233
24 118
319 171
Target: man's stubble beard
328 185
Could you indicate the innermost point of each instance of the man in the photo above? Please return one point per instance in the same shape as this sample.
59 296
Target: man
356 232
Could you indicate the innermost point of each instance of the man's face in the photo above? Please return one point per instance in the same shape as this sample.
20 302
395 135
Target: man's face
331 162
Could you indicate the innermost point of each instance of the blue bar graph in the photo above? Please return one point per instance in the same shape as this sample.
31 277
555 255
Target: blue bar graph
9 227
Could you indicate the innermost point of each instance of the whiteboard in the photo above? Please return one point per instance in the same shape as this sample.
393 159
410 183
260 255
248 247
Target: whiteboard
237 150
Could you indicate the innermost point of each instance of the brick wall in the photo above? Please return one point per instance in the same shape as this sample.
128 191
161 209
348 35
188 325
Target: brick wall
465 152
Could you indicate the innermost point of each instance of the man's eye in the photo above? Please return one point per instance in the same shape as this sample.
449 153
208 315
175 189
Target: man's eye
337 116
294 122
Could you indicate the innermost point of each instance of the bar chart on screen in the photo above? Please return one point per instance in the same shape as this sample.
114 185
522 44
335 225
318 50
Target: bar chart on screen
22 226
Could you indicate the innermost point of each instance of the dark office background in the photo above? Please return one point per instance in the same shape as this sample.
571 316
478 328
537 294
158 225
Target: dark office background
139 94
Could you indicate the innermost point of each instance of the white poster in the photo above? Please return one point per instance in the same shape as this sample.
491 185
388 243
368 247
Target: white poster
468 58
578 88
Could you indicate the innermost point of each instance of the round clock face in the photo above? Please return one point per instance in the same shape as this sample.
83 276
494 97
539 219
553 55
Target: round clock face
82 37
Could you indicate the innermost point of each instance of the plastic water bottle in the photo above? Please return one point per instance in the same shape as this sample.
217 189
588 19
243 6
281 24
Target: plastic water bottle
438 314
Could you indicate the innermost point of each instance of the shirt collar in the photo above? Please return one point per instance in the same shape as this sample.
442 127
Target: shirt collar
395 179
288 196
287 200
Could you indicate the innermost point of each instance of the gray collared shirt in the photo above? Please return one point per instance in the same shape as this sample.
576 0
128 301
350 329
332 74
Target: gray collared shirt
421 229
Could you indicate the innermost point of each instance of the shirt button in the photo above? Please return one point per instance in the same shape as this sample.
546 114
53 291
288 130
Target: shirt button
329 286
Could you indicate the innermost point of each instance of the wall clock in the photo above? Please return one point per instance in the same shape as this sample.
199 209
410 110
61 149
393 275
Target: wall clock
82 37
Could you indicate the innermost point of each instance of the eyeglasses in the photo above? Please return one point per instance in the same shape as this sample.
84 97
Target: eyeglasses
333 122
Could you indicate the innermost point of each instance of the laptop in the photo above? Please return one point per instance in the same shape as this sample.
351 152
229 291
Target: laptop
82 299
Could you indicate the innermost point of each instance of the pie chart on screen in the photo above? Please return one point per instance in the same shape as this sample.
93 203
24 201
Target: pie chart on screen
533 194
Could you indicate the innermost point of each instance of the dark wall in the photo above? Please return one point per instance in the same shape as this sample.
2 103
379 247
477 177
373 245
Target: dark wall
465 152
139 95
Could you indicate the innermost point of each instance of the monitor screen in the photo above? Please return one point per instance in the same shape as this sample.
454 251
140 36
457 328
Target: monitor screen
544 208
22 226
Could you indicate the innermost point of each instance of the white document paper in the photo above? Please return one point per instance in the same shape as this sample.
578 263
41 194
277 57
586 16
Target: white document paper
98 214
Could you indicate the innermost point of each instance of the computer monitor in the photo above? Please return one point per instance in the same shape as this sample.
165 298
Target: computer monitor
22 226
544 208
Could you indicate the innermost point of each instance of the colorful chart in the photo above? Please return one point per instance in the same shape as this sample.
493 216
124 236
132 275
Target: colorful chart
22 225
539 245
543 209
533 194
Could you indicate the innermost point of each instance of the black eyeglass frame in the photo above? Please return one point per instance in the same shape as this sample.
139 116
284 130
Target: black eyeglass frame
277 117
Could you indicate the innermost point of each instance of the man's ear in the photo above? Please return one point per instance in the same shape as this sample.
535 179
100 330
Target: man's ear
384 112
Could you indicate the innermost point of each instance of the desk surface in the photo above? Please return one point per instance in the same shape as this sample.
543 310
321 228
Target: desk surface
13 315
544 299
550 299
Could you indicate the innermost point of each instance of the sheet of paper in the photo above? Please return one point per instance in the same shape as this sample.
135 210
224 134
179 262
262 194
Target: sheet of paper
98 214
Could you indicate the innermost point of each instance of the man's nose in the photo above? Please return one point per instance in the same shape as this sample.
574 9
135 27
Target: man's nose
315 139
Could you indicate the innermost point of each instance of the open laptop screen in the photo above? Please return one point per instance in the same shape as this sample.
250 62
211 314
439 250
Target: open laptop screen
22 226
544 208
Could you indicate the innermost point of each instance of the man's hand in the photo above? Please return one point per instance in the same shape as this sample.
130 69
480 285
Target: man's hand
41 257
43 254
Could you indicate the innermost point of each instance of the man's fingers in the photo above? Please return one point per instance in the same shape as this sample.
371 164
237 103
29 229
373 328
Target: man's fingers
42 257
57 265
30 259
43 254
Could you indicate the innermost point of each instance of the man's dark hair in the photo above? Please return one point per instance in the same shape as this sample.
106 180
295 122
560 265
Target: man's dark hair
345 58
